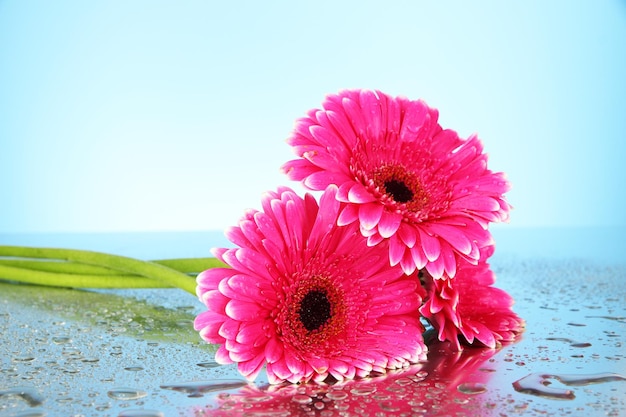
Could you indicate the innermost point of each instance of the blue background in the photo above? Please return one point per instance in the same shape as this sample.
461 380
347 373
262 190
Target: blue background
154 115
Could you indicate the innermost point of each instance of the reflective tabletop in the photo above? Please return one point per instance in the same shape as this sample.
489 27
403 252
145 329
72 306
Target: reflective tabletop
69 352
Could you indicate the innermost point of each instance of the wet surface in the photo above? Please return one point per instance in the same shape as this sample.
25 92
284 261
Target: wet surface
67 352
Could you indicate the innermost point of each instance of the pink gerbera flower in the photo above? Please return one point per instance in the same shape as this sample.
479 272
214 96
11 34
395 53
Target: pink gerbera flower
470 307
405 179
307 298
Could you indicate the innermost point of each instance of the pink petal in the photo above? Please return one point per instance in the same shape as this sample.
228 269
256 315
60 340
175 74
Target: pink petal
229 329
479 203
323 136
449 260
408 262
370 214
435 268
349 214
389 224
407 234
222 357
373 239
273 350
321 179
320 365
251 332
250 369
342 192
215 301
431 246
413 120
242 311
453 235
419 258
295 366
396 250
298 169
277 372
372 111
359 194
353 111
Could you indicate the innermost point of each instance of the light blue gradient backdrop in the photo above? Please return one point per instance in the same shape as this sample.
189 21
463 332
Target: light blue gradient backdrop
154 115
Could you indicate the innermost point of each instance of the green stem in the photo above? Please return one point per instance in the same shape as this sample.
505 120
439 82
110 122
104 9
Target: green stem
186 265
59 279
191 264
58 266
155 271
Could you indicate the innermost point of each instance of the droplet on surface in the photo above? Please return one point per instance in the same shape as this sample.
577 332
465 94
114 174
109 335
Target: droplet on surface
33 412
126 394
198 388
208 365
337 395
363 390
23 358
472 388
28 394
301 399
61 340
572 343
537 384
141 413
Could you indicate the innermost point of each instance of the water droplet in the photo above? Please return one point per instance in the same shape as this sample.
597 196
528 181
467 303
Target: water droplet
570 341
537 384
363 390
619 319
472 388
301 399
33 412
198 388
23 358
126 394
141 413
337 395
61 340
134 368
208 364
30 395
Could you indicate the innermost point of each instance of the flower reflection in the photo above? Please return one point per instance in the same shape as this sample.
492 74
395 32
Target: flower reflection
450 382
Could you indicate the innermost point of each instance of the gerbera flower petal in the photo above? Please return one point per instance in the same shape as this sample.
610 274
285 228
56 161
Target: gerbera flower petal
431 246
396 250
359 194
389 224
392 152
251 368
349 214
308 298
369 215
468 308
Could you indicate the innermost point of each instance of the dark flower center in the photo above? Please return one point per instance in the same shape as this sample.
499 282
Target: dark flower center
314 310
398 190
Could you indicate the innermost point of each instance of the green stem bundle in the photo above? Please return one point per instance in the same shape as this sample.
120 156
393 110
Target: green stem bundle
89 269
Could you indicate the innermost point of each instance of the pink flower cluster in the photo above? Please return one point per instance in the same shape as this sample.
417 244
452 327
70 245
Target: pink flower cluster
336 287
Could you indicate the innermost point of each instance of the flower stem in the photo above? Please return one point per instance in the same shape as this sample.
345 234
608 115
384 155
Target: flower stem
60 279
165 275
